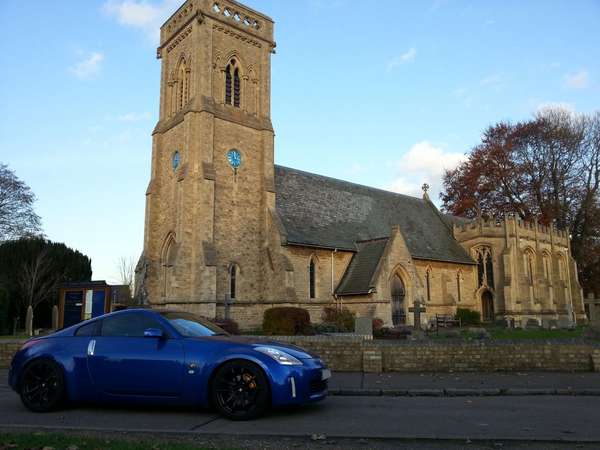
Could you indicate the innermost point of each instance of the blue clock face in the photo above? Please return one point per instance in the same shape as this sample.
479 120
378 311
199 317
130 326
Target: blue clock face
235 158
176 160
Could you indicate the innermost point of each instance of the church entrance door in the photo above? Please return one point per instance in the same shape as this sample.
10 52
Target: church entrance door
398 295
487 306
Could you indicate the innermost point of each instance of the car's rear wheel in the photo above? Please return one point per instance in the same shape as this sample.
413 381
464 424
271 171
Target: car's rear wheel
240 390
42 386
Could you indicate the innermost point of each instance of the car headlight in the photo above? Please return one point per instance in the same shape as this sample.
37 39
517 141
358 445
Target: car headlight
281 357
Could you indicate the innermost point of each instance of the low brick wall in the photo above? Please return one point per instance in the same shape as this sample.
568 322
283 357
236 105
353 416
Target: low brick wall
8 347
461 356
357 354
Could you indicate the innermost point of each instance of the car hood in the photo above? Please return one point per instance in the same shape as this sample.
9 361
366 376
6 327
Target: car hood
295 351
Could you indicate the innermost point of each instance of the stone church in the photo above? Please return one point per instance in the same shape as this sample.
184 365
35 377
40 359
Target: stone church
229 234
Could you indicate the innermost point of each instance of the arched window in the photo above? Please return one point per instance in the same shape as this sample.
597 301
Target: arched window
458 274
167 261
311 278
181 81
232 84
561 267
547 266
233 272
485 267
398 291
181 86
528 262
236 88
428 283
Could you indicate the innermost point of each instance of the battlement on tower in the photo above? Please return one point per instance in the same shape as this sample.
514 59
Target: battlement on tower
510 227
228 12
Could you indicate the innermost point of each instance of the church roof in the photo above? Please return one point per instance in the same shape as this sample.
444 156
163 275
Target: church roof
325 212
358 278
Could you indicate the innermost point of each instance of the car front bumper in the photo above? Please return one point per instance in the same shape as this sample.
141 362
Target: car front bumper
296 385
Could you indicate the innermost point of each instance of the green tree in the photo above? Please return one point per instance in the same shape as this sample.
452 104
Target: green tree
30 271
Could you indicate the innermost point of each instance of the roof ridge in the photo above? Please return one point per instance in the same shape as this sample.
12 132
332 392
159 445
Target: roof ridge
364 186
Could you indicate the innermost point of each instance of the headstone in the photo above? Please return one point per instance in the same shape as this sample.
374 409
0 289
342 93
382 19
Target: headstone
564 322
29 321
417 309
363 326
550 324
55 317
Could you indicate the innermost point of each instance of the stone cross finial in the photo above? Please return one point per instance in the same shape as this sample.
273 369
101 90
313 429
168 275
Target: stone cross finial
425 188
417 309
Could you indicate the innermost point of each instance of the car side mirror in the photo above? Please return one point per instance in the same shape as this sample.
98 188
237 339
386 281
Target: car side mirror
153 333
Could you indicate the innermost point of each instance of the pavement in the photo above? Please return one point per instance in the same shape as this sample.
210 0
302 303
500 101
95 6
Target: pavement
465 384
539 418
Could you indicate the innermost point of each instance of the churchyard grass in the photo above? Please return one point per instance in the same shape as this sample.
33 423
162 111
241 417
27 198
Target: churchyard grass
59 441
504 334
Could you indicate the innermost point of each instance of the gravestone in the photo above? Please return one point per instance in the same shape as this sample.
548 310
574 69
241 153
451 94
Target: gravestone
363 326
55 317
29 321
417 309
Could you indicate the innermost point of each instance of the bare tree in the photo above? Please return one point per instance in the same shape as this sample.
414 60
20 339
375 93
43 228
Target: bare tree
126 268
17 217
38 280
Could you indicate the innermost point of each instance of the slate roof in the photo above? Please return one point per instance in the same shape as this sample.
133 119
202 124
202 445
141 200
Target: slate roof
358 278
325 212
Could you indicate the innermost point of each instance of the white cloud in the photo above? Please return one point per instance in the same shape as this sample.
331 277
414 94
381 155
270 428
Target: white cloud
142 15
577 80
88 67
425 162
134 117
405 57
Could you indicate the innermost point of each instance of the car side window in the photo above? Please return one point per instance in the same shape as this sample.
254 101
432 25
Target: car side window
87 329
128 325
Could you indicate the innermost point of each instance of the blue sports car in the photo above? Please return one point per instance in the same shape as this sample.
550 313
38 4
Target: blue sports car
167 357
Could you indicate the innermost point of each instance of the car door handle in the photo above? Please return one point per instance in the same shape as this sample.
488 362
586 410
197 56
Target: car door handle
91 347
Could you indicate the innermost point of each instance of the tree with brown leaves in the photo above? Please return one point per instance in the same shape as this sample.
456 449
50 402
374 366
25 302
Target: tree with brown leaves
546 168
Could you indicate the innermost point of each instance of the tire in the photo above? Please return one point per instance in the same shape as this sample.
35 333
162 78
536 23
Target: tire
42 386
240 390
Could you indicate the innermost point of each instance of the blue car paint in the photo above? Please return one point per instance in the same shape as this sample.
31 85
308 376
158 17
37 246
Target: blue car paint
171 370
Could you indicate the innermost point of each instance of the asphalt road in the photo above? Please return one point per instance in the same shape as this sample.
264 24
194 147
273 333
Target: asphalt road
549 418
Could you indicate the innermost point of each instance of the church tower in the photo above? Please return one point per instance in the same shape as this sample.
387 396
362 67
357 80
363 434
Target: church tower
212 160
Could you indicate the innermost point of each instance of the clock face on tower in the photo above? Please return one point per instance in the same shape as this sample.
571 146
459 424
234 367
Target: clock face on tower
235 158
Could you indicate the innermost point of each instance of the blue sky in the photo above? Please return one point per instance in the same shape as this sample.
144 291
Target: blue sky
383 93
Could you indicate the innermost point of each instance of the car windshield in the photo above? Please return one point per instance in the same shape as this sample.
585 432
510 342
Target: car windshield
190 325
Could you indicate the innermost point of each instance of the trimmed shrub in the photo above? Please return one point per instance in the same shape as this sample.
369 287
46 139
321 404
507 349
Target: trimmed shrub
286 321
468 316
229 325
399 332
343 319
377 325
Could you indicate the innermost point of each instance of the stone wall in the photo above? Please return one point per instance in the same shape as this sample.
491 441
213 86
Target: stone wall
393 356
355 354
8 347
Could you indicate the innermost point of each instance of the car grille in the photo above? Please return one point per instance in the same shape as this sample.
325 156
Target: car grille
317 385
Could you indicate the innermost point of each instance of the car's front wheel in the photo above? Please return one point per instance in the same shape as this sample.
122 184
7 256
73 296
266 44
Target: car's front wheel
240 390
42 386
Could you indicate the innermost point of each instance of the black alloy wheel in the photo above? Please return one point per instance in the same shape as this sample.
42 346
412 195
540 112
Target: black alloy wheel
42 386
240 390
